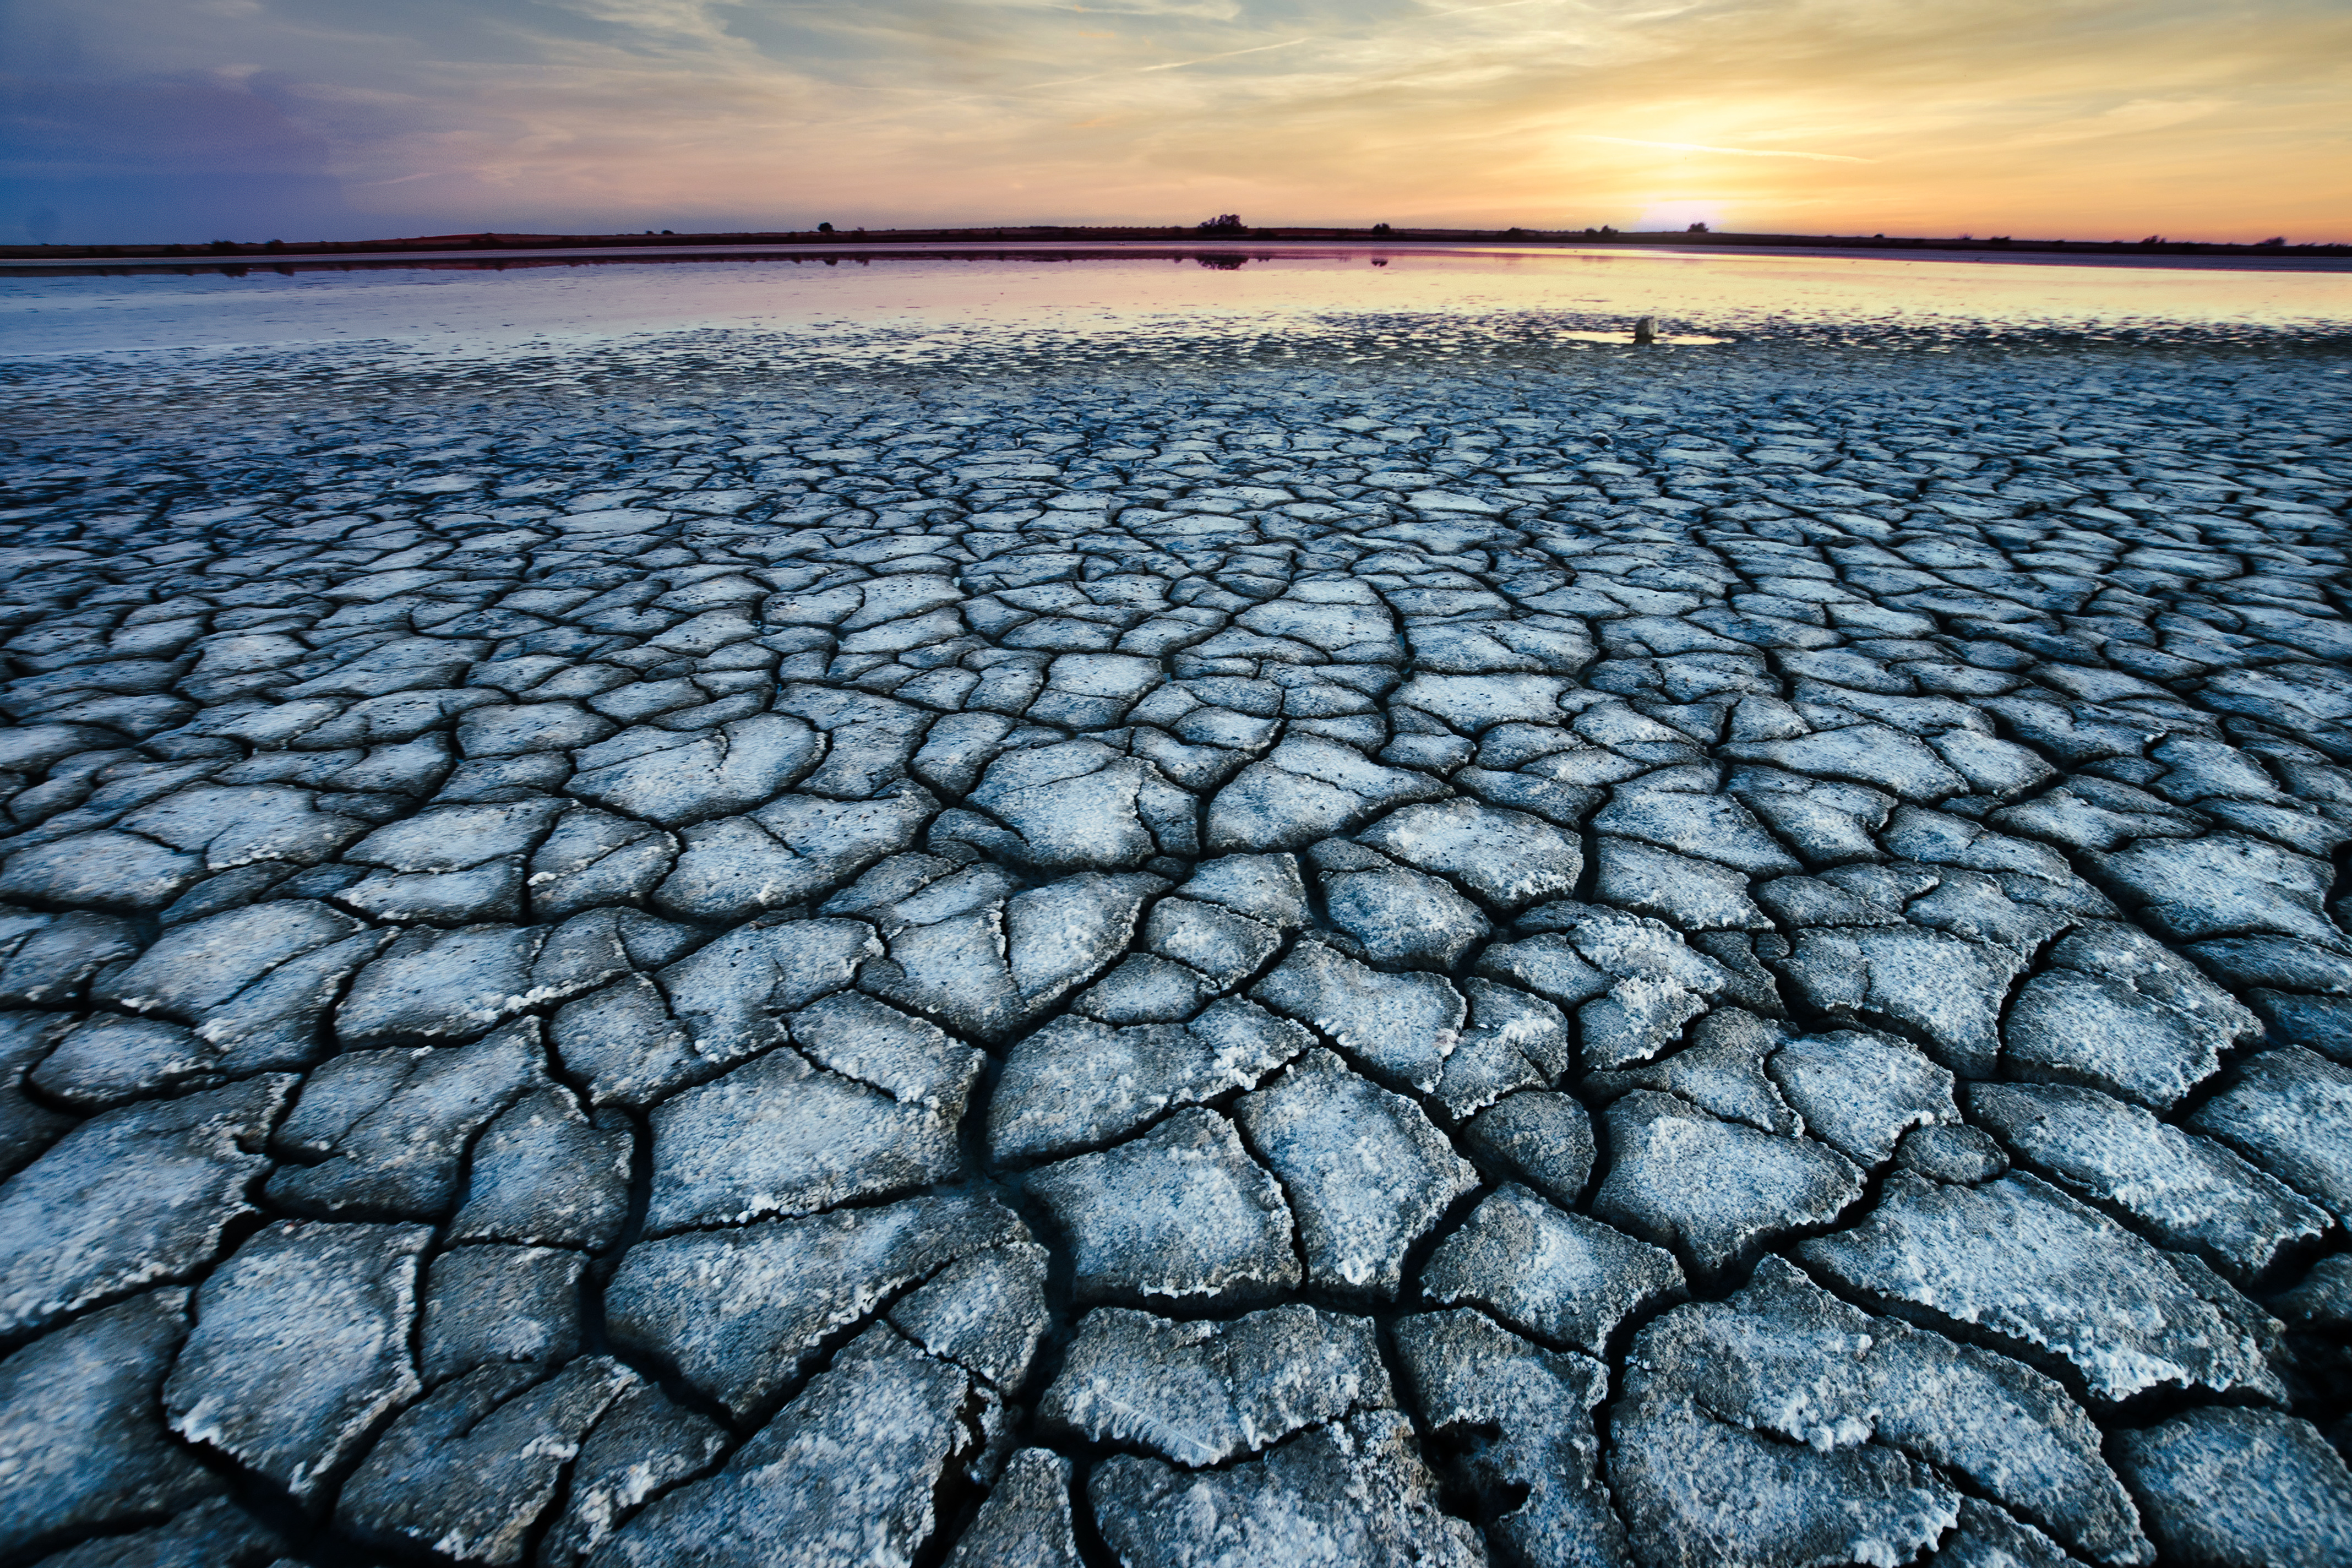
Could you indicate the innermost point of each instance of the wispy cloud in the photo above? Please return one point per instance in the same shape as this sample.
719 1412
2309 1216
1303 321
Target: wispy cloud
1170 64
2139 115
2002 116
1728 152
1229 54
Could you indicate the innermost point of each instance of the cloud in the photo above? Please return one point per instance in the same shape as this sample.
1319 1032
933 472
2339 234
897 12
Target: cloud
1176 65
1227 55
2141 114
2024 116
200 155
1729 151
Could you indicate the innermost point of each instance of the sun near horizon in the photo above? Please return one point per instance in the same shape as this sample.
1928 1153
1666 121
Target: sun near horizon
136 121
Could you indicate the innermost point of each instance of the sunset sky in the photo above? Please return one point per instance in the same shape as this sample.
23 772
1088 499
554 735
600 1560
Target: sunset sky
180 120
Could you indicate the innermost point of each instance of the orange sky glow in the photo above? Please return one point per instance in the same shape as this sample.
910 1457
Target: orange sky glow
2087 118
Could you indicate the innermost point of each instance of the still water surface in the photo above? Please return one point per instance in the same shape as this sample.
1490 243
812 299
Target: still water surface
912 303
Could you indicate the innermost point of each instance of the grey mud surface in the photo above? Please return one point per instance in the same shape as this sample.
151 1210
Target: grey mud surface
1723 957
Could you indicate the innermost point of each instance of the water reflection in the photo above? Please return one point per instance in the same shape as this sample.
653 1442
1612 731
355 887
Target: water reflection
1016 309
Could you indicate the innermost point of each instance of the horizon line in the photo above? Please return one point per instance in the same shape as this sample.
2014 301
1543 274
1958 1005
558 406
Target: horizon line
826 235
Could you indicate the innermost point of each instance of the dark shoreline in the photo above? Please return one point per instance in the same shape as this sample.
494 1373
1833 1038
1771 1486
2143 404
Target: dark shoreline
1043 243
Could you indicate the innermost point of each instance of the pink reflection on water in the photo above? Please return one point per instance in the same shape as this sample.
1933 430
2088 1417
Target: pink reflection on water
475 305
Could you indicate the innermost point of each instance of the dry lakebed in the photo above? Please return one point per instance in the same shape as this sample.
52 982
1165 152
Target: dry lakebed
1380 934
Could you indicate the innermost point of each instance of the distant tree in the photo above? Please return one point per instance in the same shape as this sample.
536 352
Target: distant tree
2275 242
1380 228
1696 228
825 228
1224 223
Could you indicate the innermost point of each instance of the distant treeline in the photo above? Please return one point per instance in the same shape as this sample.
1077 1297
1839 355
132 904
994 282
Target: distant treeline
1227 227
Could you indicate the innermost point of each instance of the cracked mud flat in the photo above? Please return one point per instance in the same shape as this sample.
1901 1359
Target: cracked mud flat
1731 958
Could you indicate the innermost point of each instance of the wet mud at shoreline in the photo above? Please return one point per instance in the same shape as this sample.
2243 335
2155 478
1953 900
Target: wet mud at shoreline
1229 946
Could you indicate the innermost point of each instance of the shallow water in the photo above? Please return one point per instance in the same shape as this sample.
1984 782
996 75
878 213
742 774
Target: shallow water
1309 295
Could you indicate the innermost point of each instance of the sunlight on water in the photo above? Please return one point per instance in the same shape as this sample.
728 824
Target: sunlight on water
933 299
